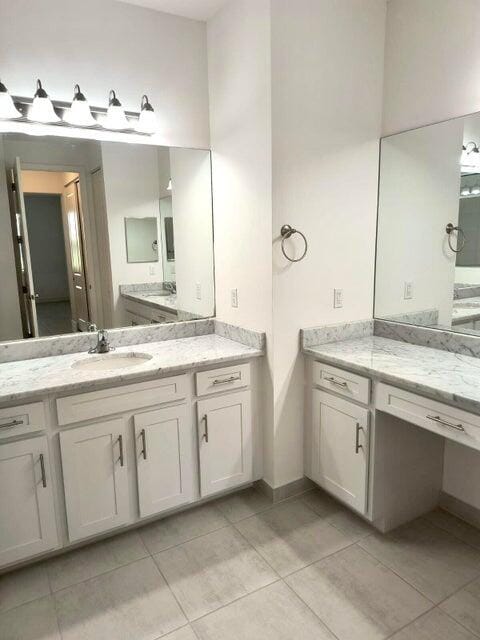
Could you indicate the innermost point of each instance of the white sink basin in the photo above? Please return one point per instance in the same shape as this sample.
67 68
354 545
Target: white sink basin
110 361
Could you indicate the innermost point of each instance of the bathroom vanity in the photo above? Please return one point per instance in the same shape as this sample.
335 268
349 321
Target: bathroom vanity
86 449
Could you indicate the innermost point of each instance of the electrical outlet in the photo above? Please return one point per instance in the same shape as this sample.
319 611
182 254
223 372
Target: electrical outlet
337 298
151 270
408 291
234 297
198 291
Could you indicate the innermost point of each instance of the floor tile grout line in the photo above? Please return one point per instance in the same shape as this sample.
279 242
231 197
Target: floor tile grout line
474 633
445 530
405 626
258 552
171 591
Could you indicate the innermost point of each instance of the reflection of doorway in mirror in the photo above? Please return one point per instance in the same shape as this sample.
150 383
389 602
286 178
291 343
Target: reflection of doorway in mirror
167 238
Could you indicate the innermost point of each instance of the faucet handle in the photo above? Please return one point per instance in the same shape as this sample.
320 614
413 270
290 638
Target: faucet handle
92 327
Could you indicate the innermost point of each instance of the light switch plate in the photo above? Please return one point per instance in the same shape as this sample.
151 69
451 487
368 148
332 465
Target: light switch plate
234 297
337 298
198 291
151 270
408 291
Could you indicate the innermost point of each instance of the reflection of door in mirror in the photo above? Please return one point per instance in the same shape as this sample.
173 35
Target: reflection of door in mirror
168 243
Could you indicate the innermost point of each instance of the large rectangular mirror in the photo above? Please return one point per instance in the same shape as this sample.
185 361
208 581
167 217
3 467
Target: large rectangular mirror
102 233
428 239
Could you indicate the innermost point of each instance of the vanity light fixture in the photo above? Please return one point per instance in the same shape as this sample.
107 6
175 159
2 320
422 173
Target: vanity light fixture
79 113
115 118
42 108
475 191
147 121
465 191
8 110
169 185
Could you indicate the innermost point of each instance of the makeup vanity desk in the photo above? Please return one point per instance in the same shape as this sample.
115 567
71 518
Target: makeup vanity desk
379 412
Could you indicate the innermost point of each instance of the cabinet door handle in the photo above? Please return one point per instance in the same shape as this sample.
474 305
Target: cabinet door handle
120 445
358 446
205 433
445 423
12 423
144 444
42 467
226 380
344 385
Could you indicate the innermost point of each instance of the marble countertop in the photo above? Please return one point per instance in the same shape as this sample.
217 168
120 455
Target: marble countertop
24 379
164 303
466 310
445 376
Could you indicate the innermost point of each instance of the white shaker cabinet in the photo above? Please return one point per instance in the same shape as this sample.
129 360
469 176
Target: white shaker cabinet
27 517
340 448
225 442
95 477
163 444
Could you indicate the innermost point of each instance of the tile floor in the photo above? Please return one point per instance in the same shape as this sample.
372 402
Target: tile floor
241 568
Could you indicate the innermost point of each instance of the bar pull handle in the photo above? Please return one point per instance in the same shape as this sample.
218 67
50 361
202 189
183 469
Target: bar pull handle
120 445
12 423
42 467
226 380
344 385
358 446
205 433
445 423
144 444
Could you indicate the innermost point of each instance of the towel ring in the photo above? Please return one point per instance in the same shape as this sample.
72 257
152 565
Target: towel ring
287 232
461 238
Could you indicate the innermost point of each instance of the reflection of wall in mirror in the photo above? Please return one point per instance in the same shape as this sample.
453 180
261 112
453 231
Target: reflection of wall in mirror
419 192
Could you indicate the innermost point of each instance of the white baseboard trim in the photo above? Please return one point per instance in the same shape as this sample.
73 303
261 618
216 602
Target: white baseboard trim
285 491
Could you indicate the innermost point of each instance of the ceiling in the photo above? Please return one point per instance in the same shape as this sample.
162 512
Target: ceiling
195 9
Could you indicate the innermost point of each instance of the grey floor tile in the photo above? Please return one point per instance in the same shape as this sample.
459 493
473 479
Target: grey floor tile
321 502
131 603
35 620
455 526
212 571
23 585
273 613
434 625
185 633
350 524
464 606
357 597
432 560
182 527
243 504
290 536
95 559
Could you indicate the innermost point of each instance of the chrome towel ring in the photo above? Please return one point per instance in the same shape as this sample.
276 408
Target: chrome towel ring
461 238
287 232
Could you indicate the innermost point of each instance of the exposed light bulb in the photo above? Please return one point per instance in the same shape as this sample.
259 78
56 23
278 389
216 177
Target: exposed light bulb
169 185
147 121
8 110
475 191
465 191
42 108
115 118
79 113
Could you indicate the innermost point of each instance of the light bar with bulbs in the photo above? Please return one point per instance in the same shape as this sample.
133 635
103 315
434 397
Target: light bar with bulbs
42 110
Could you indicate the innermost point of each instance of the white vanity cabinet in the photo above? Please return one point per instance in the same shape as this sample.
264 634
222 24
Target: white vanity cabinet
95 478
340 448
27 517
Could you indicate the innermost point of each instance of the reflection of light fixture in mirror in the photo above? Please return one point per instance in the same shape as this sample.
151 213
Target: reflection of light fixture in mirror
147 121
470 157
8 110
169 185
465 191
79 113
475 191
42 108
115 118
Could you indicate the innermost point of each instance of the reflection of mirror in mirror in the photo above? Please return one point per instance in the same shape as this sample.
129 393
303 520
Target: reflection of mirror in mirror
90 233
141 236
429 185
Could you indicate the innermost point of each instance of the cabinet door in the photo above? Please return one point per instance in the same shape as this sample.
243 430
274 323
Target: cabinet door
225 442
163 441
27 514
95 477
340 448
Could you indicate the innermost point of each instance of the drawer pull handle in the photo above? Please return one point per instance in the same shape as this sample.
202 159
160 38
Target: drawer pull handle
445 423
12 423
205 433
144 444
42 467
120 445
344 385
358 446
226 380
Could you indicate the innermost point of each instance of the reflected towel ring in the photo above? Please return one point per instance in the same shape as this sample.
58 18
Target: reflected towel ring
461 238
287 232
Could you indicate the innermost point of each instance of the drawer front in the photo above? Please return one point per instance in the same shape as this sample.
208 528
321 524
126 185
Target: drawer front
107 402
449 422
22 419
224 379
342 382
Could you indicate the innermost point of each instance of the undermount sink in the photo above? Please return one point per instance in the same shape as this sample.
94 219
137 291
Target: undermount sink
110 361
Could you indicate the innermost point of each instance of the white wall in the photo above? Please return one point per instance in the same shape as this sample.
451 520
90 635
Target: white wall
110 45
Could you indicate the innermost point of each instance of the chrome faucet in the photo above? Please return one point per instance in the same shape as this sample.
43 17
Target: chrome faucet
102 346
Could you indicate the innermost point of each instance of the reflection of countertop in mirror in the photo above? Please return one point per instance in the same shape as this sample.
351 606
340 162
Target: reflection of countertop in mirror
466 310
157 301
29 378
442 375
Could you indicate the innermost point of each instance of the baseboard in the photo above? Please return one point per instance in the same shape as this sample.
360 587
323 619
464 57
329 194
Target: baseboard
460 509
285 491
